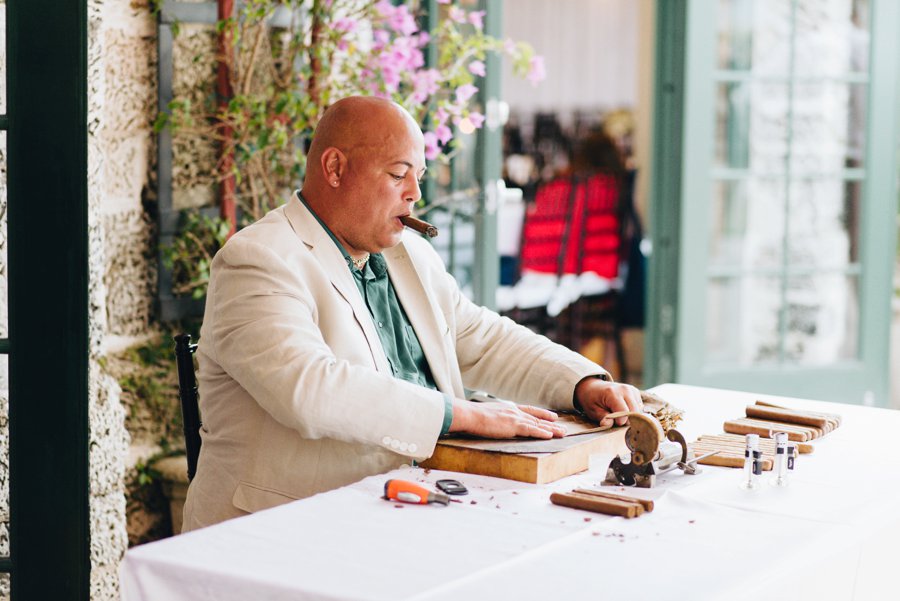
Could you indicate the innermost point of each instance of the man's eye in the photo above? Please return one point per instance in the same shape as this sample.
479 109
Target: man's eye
397 177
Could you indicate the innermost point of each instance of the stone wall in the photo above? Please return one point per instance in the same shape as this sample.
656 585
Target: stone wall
128 39
193 158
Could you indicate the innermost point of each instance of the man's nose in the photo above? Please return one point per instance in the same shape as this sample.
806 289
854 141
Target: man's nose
413 191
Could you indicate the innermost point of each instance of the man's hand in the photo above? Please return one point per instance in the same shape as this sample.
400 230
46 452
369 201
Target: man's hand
598 398
504 420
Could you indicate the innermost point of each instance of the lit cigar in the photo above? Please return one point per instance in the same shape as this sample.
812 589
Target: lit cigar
423 227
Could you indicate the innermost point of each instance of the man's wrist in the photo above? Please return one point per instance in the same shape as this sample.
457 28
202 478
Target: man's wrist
575 402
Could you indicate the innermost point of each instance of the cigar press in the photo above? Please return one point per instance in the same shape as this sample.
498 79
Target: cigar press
650 454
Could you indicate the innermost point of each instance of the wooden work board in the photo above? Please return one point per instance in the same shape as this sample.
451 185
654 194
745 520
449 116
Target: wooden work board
527 459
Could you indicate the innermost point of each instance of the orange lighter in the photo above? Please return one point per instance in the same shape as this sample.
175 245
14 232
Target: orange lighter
401 490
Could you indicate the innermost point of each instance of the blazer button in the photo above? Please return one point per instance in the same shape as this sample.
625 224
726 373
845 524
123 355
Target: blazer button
413 447
386 440
404 446
395 444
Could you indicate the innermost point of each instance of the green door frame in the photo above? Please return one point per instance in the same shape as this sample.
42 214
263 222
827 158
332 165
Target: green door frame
681 185
489 158
665 192
46 82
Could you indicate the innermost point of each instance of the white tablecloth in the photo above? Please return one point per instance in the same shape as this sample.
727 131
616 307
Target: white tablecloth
832 534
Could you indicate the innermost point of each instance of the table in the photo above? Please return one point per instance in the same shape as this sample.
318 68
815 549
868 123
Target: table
830 535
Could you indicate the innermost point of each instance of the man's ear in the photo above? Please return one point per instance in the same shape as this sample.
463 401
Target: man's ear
334 163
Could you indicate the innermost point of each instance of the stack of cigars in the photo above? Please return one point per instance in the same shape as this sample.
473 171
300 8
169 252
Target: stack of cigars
764 419
602 502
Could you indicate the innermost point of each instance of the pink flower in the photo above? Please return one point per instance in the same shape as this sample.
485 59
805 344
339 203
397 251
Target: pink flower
509 46
440 115
443 133
455 109
444 1
425 83
536 70
381 38
401 56
457 14
477 119
385 9
391 81
476 18
424 38
431 146
477 68
402 21
344 24
465 91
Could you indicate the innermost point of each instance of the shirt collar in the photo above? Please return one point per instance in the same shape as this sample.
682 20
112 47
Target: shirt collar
376 261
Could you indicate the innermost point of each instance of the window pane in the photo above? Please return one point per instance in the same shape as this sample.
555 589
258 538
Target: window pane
822 319
828 127
735 23
831 38
747 224
771 37
742 321
752 126
824 223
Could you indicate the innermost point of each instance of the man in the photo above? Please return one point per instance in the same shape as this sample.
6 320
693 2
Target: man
335 345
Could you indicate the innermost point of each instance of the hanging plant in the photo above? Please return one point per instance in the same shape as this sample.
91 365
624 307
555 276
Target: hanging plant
284 61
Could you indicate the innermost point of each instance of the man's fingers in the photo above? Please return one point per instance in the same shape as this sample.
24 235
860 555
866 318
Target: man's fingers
540 424
546 430
538 412
535 431
633 398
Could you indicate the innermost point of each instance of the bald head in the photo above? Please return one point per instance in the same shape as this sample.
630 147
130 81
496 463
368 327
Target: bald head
357 124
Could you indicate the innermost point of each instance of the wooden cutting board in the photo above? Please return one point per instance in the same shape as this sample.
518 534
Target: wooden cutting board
528 459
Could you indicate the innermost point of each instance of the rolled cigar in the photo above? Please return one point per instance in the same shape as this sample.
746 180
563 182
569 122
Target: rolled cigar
832 417
764 429
732 461
597 505
810 432
764 443
701 449
786 415
423 227
802 447
647 504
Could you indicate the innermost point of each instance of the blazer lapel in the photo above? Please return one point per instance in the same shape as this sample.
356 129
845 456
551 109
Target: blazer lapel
323 248
420 311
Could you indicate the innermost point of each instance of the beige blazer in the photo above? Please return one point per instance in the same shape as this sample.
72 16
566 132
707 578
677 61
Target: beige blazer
296 393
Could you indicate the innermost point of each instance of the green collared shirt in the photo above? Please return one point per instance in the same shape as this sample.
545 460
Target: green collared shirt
399 340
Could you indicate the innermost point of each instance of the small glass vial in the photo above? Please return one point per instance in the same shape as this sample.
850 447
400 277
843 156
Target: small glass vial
781 459
752 463
791 458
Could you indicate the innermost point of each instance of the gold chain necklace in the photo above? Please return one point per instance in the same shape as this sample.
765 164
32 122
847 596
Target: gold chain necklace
360 263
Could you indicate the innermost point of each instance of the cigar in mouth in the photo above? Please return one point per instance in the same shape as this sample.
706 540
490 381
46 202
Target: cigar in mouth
423 227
